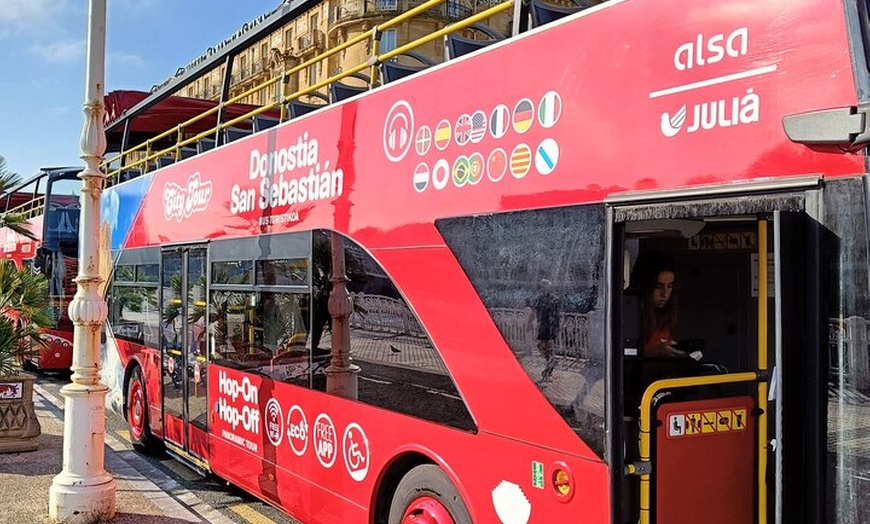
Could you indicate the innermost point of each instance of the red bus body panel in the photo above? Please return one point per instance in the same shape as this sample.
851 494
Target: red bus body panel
303 470
57 353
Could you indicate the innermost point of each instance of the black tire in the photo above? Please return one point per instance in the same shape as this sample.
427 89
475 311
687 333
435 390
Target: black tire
28 365
428 481
136 413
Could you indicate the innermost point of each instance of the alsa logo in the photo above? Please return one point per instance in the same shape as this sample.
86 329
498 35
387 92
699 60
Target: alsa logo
717 113
180 202
709 50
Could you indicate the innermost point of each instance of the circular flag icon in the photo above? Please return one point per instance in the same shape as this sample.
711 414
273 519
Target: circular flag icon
547 156
424 140
398 129
460 171
440 174
550 109
521 161
462 131
475 168
524 115
499 121
421 177
496 164
478 127
443 134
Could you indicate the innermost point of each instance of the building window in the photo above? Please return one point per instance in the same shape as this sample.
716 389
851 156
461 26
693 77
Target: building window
288 38
388 41
387 5
313 73
243 67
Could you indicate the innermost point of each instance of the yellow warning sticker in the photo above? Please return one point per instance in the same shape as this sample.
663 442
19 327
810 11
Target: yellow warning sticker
710 422
723 420
738 417
693 423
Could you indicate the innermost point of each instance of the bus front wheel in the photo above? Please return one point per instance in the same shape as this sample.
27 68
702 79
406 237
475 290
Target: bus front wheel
137 413
427 496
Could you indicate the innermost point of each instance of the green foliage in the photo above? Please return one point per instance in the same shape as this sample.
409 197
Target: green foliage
15 222
133 298
24 308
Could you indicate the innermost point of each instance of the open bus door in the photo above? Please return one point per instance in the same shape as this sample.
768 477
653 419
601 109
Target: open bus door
183 351
738 436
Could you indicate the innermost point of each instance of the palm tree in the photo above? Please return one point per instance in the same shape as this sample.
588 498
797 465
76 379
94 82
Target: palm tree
24 309
14 221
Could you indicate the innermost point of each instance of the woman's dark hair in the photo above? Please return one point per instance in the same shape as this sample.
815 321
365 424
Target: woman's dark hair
644 279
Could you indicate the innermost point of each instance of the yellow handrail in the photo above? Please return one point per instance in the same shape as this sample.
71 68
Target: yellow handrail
29 209
151 155
446 30
646 421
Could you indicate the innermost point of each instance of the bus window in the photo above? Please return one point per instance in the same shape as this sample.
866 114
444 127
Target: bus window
400 369
848 363
540 275
262 332
133 310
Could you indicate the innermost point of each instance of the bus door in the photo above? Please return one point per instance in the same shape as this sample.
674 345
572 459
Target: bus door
731 429
184 356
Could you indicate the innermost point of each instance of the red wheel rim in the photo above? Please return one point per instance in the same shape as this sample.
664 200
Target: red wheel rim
136 409
426 510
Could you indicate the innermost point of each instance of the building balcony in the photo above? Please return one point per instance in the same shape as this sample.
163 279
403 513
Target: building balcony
313 40
352 10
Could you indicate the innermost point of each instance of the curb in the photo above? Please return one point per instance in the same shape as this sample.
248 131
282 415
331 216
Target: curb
173 500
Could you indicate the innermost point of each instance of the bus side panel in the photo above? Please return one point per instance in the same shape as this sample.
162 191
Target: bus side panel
57 354
149 358
485 370
306 451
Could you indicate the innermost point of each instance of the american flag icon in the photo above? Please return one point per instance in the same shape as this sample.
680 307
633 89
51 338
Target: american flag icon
478 127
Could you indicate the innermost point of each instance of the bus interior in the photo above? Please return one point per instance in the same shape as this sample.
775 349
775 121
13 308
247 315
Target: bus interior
752 401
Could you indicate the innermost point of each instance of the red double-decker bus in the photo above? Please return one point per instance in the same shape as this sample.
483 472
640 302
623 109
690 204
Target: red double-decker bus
50 202
416 304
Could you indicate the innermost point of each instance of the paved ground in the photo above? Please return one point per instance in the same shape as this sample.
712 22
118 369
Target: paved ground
144 495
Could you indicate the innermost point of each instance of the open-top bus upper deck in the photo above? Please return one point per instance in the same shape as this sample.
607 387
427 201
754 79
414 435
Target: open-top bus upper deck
564 115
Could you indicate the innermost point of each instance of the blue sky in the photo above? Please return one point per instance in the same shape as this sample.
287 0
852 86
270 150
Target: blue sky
42 63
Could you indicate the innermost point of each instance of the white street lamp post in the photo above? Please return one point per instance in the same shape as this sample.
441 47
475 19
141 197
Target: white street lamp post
84 492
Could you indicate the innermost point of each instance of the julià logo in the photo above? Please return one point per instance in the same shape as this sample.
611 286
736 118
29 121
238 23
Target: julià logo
671 125
705 116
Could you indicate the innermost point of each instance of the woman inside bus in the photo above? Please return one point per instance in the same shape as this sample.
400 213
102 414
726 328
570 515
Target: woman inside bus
654 276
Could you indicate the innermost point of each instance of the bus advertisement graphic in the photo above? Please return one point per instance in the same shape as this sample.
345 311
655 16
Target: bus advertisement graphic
355 446
297 430
325 440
